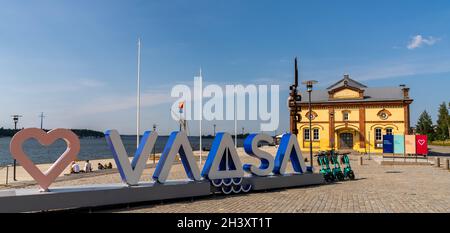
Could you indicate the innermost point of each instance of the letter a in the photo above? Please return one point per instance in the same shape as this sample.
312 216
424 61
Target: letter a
218 164
178 143
130 173
289 146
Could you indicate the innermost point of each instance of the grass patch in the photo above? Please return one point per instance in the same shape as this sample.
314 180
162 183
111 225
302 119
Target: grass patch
440 143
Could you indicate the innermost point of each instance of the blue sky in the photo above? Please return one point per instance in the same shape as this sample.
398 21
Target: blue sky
76 60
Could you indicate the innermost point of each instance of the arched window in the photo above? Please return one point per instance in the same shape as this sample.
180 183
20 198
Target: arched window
378 136
389 131
316 134
306 134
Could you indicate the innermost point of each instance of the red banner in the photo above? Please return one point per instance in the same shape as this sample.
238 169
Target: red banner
421 144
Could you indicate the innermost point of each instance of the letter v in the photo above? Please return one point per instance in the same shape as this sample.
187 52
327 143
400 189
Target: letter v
130 173
178 143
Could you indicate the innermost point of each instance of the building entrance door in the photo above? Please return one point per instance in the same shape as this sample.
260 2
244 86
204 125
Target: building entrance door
346 141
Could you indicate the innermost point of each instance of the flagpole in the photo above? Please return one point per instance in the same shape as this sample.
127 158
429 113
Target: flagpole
138 97
201 114
235 118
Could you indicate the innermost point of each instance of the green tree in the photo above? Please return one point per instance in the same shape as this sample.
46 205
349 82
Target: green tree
425 126
442 122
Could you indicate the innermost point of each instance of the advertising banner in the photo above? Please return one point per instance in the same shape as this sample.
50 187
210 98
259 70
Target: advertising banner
388 144
399 144
410 144
421 144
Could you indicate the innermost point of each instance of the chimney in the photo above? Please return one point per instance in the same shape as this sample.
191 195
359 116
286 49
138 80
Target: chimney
405 91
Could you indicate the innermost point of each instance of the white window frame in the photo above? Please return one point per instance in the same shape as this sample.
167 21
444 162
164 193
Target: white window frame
316 130
306 136
381 134
391 129
345 116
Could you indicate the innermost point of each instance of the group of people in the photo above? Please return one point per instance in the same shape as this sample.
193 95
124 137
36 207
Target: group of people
103 167
75 168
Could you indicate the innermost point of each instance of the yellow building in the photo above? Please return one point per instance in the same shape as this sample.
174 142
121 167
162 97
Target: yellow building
350 115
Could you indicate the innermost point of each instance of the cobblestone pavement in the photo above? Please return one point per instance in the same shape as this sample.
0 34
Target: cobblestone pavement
379 189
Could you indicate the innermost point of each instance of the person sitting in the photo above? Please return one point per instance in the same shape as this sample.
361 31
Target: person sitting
105 166
110 165
87 166
100 166
75 168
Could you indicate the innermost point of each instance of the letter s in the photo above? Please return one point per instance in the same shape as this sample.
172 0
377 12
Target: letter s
251 148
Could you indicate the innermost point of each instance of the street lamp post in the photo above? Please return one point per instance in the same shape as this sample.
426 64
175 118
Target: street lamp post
16 121
309 86
154 149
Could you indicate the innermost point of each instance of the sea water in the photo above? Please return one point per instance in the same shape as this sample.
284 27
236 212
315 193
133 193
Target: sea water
91 148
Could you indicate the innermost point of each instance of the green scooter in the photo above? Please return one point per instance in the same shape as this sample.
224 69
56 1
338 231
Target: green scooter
337 171
325 170
348 172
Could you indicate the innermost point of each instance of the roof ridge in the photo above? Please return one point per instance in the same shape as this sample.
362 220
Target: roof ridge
347 78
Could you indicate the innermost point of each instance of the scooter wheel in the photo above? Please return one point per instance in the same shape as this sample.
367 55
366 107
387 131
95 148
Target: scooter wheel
351 175
331 178
340 177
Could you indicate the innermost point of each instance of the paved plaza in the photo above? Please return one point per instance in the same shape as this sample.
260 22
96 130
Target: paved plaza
378 189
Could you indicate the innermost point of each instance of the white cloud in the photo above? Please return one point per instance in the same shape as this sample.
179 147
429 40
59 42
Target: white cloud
418 41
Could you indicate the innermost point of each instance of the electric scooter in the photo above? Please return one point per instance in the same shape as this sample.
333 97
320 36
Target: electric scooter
325 170
337 171
348 172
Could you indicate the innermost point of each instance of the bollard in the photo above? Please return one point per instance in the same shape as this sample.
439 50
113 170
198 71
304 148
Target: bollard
447 164
361 160
7 173
438 162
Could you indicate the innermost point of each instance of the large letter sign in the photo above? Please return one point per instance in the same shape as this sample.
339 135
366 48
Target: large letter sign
289 149
251 148
223 161
45 179
130 173
223 171
178 143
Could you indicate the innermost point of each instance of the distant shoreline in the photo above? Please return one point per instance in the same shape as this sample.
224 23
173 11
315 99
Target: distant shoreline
82 133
